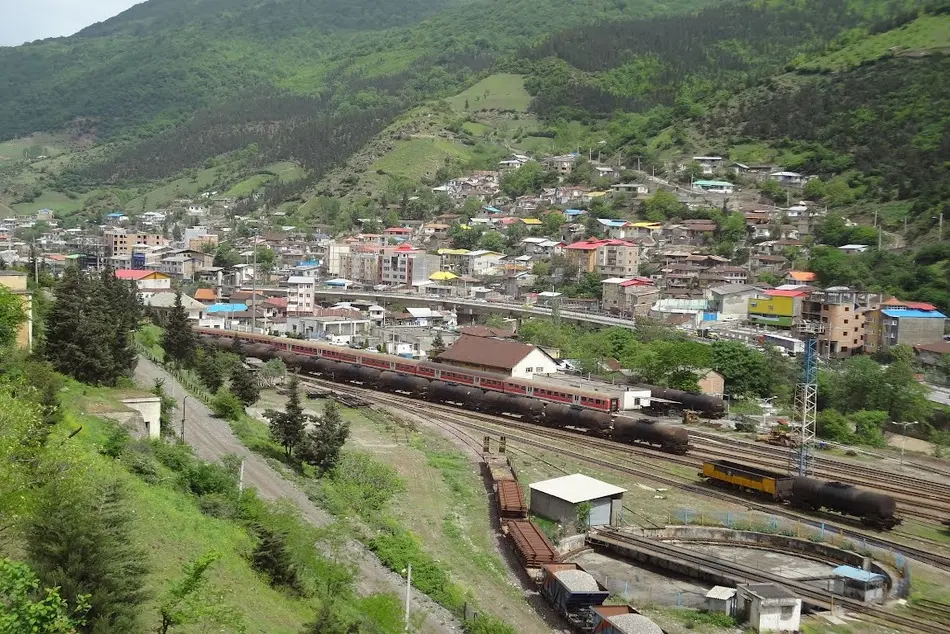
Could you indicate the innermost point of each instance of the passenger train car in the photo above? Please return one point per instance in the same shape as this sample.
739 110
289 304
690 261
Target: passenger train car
533 388
535 401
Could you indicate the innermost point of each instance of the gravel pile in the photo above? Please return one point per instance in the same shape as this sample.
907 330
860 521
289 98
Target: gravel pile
577 581
635 624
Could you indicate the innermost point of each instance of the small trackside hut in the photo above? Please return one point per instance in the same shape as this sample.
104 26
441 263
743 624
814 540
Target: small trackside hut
558 500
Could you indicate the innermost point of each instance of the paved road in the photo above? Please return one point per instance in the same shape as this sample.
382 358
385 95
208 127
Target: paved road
212 438
939 394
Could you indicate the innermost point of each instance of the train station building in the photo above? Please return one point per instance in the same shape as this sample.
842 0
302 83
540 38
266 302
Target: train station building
559 500
502 356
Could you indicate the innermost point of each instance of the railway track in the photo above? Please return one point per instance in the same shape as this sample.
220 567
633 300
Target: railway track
542 437
743 574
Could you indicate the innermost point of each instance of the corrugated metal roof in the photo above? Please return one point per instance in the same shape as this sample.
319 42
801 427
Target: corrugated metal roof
226 308
856 574
721 593
577 488
913 314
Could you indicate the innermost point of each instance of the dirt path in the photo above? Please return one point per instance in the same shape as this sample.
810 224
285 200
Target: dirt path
212 438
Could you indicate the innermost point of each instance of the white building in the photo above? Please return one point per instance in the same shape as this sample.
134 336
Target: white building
339 329
481 262
768 607
300 294
709 163
558 500
512 358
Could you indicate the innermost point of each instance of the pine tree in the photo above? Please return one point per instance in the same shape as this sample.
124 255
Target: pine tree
236 347
243 385
63 348
179 340
288 427
272 558
97 364
437 347
209 371
124 316
322 444
80 540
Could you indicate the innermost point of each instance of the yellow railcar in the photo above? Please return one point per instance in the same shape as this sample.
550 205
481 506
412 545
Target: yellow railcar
746 478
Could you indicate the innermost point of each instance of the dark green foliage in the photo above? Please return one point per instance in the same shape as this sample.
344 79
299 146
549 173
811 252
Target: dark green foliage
166 421
80 540
272 558
437 347
330 620
210 370
227 405
397 549
288 427
745 371
179 340
321 445
117 441
243 385
204 478
89 328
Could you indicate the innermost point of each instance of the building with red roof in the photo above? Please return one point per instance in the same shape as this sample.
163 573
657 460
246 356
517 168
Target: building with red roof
146 282
608 257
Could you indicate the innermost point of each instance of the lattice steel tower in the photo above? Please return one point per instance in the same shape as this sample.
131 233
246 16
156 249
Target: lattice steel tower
806 394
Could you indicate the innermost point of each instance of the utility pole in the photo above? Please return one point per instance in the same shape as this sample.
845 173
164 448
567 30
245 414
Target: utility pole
241 477
408 590
257 235
184 403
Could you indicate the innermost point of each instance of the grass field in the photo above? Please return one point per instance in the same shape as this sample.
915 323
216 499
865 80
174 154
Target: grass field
930 32
13 149
56 201
248 186
418 158
184 187
286 171
503 91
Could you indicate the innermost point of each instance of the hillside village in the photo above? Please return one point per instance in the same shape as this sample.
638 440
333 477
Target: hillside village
712 253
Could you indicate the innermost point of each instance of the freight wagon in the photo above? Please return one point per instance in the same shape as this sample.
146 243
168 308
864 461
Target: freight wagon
572 591
873 509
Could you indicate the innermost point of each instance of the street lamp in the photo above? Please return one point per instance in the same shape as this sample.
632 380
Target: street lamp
184 403
408 571
903 438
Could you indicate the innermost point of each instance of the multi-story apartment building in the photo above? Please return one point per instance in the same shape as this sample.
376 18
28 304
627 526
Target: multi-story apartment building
898 322
119 242
360 264
300 295
629 297
835 317
777 307
405 265
610 258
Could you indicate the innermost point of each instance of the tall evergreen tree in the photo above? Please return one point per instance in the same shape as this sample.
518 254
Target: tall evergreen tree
209 370
63 348
288 427
322 444
80 540
272 558
243 385
179 340
437 347
124 312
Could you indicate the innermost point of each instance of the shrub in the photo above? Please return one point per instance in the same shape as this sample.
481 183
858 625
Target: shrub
175 456
226 405
202 478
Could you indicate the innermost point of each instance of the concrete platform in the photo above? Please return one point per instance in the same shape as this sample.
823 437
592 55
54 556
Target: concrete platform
785 565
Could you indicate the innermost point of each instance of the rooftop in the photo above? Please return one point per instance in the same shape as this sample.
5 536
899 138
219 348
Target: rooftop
802 276
856 574
937 347
721 593
493 353
900 313
769 591
577 488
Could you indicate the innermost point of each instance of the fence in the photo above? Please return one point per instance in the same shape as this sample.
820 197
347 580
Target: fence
190 383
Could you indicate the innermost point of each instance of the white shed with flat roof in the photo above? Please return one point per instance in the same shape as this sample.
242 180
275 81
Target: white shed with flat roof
559 498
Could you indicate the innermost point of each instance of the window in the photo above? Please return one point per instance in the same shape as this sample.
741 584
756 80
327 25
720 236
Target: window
788 611
845 321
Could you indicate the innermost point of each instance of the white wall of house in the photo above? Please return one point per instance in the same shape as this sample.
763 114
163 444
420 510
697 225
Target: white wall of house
535 363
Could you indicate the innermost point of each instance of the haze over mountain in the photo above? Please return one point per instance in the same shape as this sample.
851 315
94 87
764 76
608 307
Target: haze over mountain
41 19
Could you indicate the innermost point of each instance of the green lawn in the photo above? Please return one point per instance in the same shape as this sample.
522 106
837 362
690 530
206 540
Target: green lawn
417 158
503 91
927 33
286 171
13 148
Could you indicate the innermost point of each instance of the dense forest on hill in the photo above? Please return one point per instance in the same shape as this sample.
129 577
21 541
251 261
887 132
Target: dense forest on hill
160 62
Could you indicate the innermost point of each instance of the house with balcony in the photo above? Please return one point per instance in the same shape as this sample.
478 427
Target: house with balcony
897 322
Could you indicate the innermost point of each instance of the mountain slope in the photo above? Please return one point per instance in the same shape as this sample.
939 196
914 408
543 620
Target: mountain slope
162 60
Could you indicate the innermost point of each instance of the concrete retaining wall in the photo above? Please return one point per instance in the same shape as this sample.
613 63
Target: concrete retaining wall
765 541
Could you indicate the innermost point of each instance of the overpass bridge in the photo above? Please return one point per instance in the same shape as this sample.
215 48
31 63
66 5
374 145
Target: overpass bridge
464 306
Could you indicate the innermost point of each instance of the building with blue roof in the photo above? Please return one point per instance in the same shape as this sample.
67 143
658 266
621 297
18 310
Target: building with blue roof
860 584
714 187
896 322
225 308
